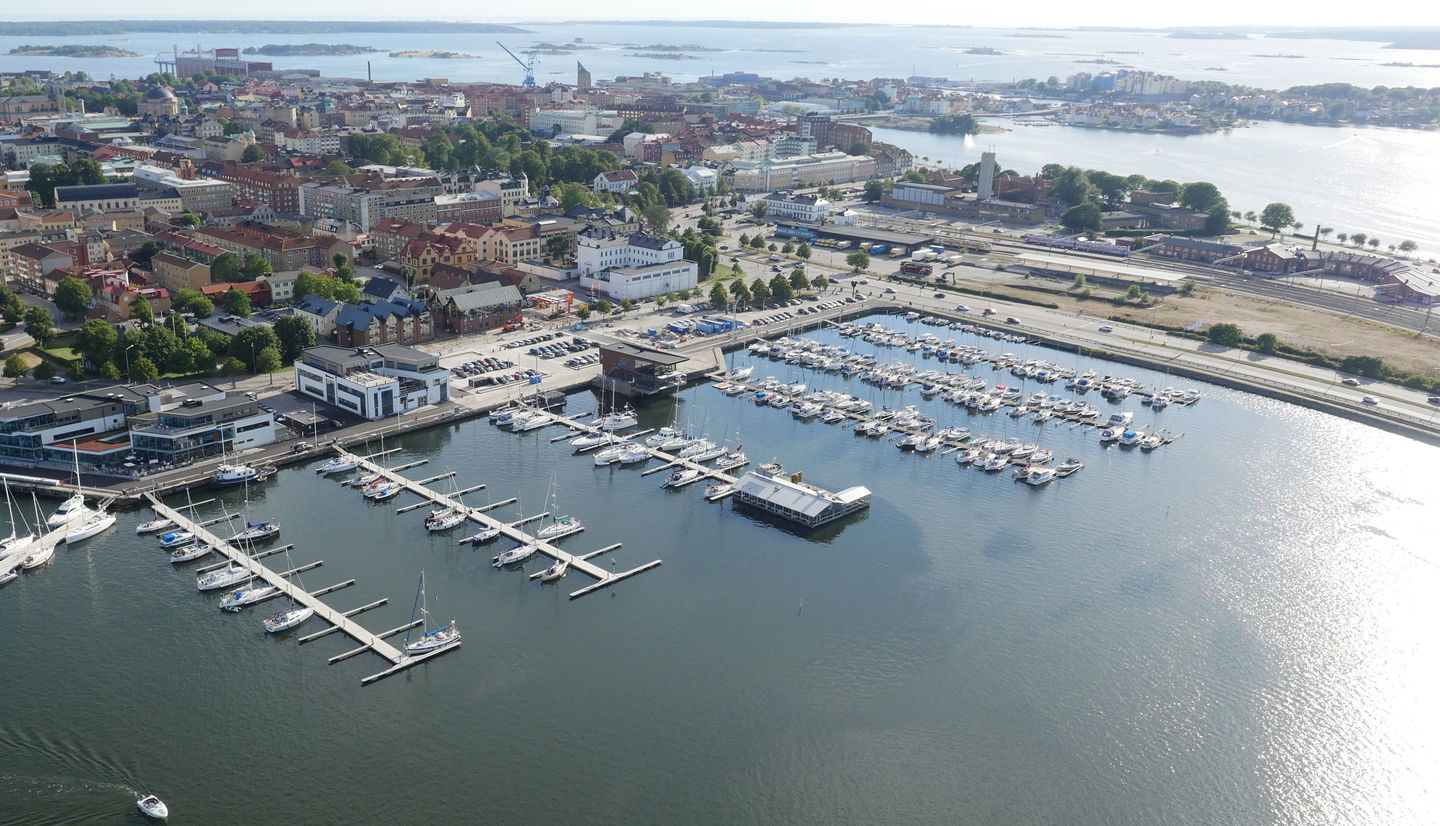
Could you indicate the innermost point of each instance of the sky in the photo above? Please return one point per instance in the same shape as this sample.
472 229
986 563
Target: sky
945 12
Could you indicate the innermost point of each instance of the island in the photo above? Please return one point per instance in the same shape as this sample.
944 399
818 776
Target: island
955 125
309 49
666 47
983 50
76 28
73 50
438 55
663 56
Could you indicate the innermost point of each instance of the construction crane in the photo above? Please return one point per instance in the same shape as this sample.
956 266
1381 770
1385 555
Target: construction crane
528 67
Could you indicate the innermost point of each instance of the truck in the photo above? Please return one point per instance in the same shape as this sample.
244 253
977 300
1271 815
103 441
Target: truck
916 268
876 249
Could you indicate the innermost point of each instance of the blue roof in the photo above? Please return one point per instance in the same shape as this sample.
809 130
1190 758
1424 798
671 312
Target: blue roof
381 287
316 305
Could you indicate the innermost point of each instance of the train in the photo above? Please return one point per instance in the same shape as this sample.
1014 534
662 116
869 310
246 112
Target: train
1078 244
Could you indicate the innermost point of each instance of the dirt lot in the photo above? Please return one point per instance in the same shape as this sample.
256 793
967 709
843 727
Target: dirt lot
1328 332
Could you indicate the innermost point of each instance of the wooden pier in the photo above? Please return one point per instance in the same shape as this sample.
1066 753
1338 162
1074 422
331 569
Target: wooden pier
577 562
339 621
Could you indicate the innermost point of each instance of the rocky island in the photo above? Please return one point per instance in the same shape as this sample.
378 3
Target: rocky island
309 49
73 50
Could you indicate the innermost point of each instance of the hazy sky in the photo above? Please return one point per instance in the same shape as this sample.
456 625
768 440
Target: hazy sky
1035 13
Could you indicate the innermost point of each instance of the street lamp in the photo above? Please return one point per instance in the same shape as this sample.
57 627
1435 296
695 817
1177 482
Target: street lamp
127 361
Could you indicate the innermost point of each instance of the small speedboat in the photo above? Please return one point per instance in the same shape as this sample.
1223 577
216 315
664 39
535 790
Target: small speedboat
175 539
237 600
9 575
338 464
285 620
681 477
158 523
1039 475
189 552
555 571
1068 467
1151 442
152 807
519 553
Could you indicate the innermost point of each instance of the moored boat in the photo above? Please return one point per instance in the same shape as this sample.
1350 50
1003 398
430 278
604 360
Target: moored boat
157 523
223 578
554 572
337 464
235 601
257 532
175 539
681 477
38 557
91 525
511 556
189 552
287 619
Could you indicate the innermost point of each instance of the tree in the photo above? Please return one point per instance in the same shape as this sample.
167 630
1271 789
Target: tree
225 268
1218 220
252 154
874 192
1135 293
789 248
780 288
1372 367
803 251
256 266
1200 195
40 325
1342 237
143 371
109 372
1276 216
15 367
602 306
187 219
858 261
202 358
72 296
1073 186
11 307
798 281
1267 342
740 293
819 282
339 167
759 208
773 248
1082 218
1227 335
583 313
719 296
757 243
96 340
1358 238
250 342
759 292
44 371
232 367
860 148
295 335
744 240
179 361
140 311
236 303
1373 243
269 360
657 218
1407 246
202 307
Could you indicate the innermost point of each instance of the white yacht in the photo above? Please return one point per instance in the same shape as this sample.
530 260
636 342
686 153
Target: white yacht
91 525
223 578
996 461
235 601
662 436
1151 442
611 455
175 539
1120 419
69 511
930 443
526 422
1110 434
287 619
634 455
560 526
447 636
42 555
189 552
519 553
696 448
1131 437
740 373
617 420
485 535
1039 475
8 575
719 490
338 464
681 477
228 475
1068 467
554 572
589 441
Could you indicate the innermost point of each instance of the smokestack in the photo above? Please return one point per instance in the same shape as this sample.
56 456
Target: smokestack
987 176
369 76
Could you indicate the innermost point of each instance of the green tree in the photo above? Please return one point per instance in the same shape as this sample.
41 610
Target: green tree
1082 218
140 311
773 248
1135 293
143 371
1267 342
656 217
1217 222
15 367
339 167
819 282
160 343
780 288
179 361
789 248
1372 367
803 251
109 372
858 261
96 340
740 293
1073 186
1201 195
583 313
1358 238
232 367
874 192
202 358
72 296
1227 335
252 154
1276 216
40 325
744 240
187 219
225 268
798 281
295 335
1079 281
759 292
914 176
236 303
256 266
11 307
759 208
757 243
250 342
860 148
603 306
269 360
44 371
1407 246
719 296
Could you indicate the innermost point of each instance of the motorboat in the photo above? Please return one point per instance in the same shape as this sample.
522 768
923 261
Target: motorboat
560 526
228 475
681 477
617 420
381 492
152 807
1131 437
257 532
832 417
38 557
1042 456
1151 442
589 441
734 390
910 441
526 422
69 510
235 601
519 553
996 461
732 460
223 578
338 464
719 490
8 575
1120 419
1039 475
740 373
175 539
634 454
502 415
287 619
1022 452
663 435
1110 434
158 523
189 553
554 572
1068 467
968 455
929 444
610 455
447 636
485 535
446 519
91 525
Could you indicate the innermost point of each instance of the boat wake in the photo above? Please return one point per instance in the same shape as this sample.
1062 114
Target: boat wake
63 781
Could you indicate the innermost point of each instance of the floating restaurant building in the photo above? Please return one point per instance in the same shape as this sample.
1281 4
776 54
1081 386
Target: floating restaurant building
786 496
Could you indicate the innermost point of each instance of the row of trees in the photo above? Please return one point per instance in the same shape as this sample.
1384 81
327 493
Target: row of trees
45 177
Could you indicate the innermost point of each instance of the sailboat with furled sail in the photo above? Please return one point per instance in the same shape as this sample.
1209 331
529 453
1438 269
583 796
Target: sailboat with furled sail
430 642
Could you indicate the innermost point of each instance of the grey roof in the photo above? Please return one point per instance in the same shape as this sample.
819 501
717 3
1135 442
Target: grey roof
316 305
1200 244
640 239
93 192
380 287
481 296
644 353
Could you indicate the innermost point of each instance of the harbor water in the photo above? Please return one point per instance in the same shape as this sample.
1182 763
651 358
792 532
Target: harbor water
1233 628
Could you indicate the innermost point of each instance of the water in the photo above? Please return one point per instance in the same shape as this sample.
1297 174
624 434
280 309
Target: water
1235 628
1352 179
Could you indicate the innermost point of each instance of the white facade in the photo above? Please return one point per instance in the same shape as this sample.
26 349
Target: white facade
703 178
633 266
372 382
810 209
622 181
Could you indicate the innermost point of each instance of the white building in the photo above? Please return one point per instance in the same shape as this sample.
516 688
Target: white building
620 181
549 122
800 171
632 266
372 382
810 209
703 178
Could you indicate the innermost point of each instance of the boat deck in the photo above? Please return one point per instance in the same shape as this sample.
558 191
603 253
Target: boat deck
341 621
578 562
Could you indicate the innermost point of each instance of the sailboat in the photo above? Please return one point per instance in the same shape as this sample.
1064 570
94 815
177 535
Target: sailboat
444 518
15 543
73 508
290 617
430 642
554 572
157 523
94 523
559 526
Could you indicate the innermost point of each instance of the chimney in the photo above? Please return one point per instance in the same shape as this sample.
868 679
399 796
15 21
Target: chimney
987 176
